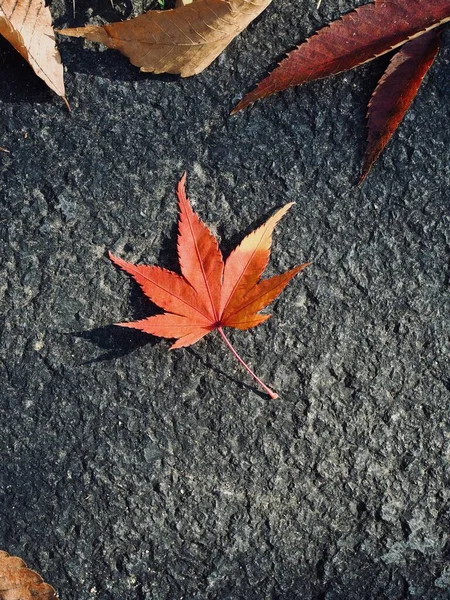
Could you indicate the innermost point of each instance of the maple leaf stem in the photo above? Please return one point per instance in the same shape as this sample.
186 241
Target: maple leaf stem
271 393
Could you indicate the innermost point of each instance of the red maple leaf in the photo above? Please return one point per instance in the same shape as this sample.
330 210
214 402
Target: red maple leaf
210 293
359 37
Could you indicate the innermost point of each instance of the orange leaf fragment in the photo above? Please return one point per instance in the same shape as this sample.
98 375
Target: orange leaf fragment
184 40
17 582
27 25
210 293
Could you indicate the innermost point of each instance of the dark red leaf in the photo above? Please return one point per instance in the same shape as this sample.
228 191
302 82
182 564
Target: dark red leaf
356 38
395 92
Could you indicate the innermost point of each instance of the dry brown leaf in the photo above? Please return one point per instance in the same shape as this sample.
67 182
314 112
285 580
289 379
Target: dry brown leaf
27 25
184 40
17 582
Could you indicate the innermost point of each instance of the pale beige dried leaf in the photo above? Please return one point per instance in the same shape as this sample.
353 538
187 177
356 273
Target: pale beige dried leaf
27 25
17 582
184 40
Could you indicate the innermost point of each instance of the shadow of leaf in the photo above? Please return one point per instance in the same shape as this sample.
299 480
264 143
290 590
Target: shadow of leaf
19 82
209 365
117 341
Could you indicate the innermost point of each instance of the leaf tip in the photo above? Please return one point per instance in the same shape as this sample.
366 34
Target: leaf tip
181 186
240 106
130 325
366 168
302 267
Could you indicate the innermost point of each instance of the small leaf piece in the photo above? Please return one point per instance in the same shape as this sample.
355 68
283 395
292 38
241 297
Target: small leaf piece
17 582
27 25
210 294
184 40
395 92
356 38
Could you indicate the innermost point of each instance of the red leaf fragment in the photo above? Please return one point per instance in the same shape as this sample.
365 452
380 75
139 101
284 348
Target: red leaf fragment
210 293
356 38
395 92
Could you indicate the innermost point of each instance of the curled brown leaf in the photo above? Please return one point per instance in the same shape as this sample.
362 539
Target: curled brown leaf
27 25
184 40
17 582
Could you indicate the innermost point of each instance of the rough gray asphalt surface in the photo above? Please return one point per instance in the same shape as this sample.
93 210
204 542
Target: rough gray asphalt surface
132 472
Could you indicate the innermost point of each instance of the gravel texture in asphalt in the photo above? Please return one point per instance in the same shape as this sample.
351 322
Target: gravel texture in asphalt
132 472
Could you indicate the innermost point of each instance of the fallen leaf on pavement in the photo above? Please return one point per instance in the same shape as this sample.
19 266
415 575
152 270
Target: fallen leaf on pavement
17 582
27 25
184 40
359 37
395 92
210 293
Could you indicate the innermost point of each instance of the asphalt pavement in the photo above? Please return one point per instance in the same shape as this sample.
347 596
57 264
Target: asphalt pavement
132 472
